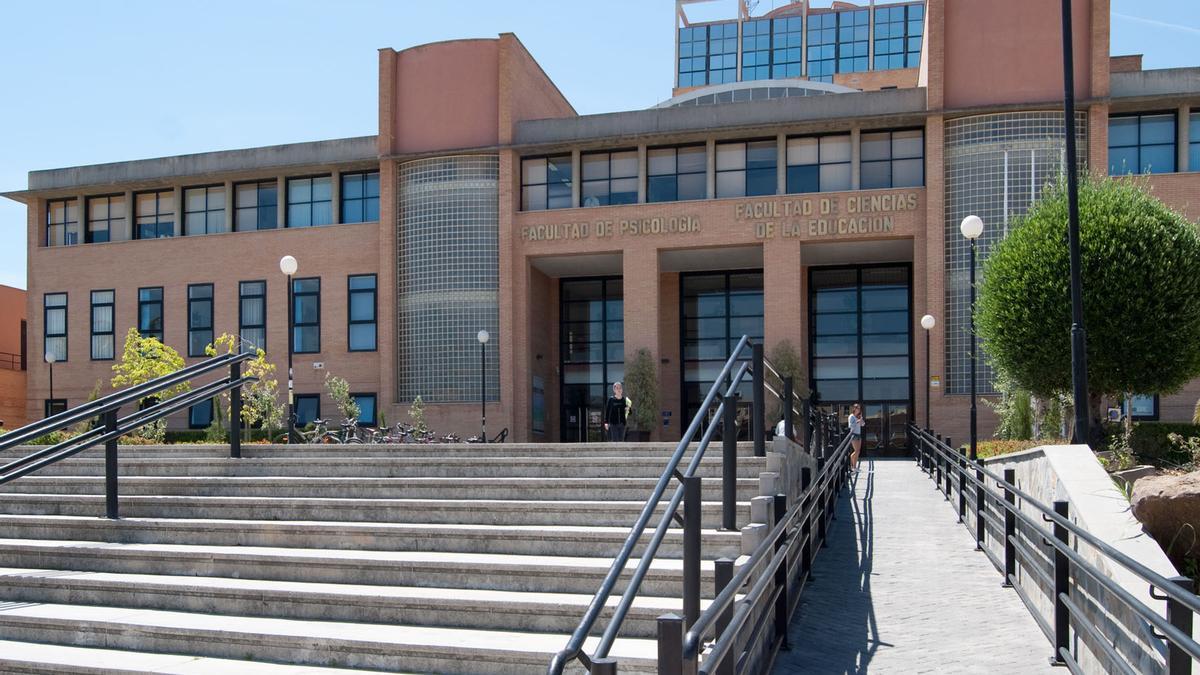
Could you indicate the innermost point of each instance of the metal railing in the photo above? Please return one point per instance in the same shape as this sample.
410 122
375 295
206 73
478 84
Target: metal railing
687 493
112 427
1000 512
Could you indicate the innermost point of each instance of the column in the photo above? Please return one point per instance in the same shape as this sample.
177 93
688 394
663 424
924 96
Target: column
230 207
639 269
179 209
641 192
335 197
783 303
1182 139
710 149
576 178
855 173
130 218
281 208
781 164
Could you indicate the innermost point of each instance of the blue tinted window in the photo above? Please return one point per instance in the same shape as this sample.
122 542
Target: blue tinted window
150 312
898 32
676 173
310 201
360 197
362 313
608 178
256 205
200 415
546 183
308 408
366 409
306 315
1141 144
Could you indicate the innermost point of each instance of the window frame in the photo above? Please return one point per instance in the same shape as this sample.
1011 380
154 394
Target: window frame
207 211
65 224
53 406
1152 417
192 329
158 214
242 297
365 199
374 423
296 295
848 162
745 170
161 314
891 160
112 332
546 184
1139 145
296 407
192 424
676 174
65 334
288 203
258 189
88 236
351 321
608 180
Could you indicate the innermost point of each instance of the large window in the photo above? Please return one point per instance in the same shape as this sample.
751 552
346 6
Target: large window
787 47
155 214
310 201
54 314
822 46
853 37
746 169
1194 142
546 183
200 416
257 205
150 312
898 31
105 219
818 163
592 351
308 409
892 159
62 222
366 409
306 315
676 174
103 329
360 197
362 315
756 50
693 56
1141 144
609 178
252 312
837 43
204 210
722 52
200 318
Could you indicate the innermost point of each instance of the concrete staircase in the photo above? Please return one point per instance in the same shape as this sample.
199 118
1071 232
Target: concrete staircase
322 559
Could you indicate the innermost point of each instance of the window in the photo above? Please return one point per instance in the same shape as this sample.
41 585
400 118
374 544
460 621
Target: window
252 312
105 219
204 210
306 315
746 169
892 159
676 174
155 214
837 43
54 406
1194 142
200 416
103 331
1141 144
308 408
722 52
366 409
852 43
310 201
150 312
256 205
546 183
818 163
200 318
822 46
756 50
54 311
787 49
898 32
609 178
591 350
362 313
360 197
62 222
693 56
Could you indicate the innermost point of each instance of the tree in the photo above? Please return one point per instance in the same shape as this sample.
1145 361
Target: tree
641 386
260 404
1141 294
144 359
785 359
339 392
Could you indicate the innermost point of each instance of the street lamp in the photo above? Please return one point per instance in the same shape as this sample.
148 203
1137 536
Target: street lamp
972 227
927 322
288 265
483 336
51 358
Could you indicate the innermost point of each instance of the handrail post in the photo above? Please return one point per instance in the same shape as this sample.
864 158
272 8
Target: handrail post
980 502
670 646
759 416
937 462
781 576
788 386
1179 662
111 507
235 411
1010 528
691 549
729 464
722 576
962 484
1062 586
808 426
949 470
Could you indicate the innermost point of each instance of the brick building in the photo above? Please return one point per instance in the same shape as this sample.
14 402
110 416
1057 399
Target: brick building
804 182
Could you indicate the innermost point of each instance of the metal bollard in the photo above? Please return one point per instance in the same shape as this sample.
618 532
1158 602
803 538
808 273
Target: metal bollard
759 412
729 464
691 549
949 469
111 507
1062 587
670 645
781 576
980 503
937 462
1179 662
1010 529
723 574
605 666
962 484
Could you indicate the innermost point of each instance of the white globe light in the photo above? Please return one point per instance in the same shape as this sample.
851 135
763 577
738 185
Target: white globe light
972 227
288 265
928 322
51 358
483 336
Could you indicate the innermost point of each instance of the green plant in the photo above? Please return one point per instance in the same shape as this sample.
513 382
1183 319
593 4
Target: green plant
260 399
1189 447
339 391
144 359
1014 408
1151 443
641 386
416 413
1141 272
787 362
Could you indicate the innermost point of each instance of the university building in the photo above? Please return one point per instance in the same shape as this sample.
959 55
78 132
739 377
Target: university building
804 181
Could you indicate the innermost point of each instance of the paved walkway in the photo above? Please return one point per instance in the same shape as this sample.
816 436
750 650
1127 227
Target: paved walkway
901 589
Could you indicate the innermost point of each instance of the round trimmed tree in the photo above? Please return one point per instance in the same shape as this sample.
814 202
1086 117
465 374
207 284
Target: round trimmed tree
1141 294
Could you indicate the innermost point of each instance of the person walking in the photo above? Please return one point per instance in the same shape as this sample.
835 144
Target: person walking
616 412
855 423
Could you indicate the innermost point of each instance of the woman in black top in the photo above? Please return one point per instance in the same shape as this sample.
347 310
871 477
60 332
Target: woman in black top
615 409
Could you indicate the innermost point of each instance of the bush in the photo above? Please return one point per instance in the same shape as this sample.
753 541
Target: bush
641 386
1151 443
1004 447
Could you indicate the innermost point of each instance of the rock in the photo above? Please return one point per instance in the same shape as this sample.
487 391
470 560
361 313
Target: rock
1169 508
1129 476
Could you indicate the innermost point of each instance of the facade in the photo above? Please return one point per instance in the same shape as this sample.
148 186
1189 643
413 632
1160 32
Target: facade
13 358
804 183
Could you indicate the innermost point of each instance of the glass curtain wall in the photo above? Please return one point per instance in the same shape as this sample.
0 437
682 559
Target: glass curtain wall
591 353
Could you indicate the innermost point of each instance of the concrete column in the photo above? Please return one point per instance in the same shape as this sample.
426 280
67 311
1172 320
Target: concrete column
335 195
179 210
782 300
781 164
710 149
855 137
642 172
639 269
130 218
737 74
1182 139
81 226
576 178
230 207
281 208
804 43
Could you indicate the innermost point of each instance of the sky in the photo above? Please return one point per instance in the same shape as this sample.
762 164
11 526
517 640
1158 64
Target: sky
89 82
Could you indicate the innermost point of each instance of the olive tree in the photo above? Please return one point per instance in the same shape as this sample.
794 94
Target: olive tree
1141 294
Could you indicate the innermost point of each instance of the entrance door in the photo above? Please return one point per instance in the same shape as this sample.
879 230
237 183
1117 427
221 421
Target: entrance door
592 353
886 427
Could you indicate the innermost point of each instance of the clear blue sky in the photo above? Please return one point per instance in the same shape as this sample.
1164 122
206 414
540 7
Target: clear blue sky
90 82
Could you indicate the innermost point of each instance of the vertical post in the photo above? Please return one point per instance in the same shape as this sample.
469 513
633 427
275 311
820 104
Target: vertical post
604 666
949 469
1062 587
962 484
781 577
1010 529
723 573
483 393
759 418
51 410
980 502
787 407
937 463
928 379
291 436
670 645
691 549
110 467
974 364
235 411
1179 616
808 427
729 464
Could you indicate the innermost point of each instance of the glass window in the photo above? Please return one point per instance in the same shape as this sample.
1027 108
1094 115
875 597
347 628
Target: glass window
200 416
722 52
155 214
818 163
105 219
693 53
822 46
787 47
852 43
306 315
609 178
366 409
252 312
54 315
676 173
1143 407
1141 144
309 201
62 222
546 183
362 314
892 159
756 50
256 204
308 409
898 31
1194 142
200 318
204 210
54 406
591 350
150 312
746 169
103 329
360 197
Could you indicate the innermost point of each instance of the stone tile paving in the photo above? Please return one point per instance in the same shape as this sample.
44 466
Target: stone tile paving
901 589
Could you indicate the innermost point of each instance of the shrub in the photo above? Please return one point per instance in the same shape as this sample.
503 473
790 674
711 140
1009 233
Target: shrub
1150 442
785 359
641 386
416 413
339 391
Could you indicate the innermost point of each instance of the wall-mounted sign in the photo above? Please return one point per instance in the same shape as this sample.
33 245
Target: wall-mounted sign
935 381
607 229
815 216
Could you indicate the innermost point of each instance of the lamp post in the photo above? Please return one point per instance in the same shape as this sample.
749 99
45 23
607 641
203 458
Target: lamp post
927 322
51 358
483 336
972 227
288 265
1079 381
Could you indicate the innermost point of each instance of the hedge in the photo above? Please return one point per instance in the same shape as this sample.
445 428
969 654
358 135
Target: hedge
1149 441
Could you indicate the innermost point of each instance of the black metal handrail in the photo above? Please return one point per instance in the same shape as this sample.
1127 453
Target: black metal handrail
939 459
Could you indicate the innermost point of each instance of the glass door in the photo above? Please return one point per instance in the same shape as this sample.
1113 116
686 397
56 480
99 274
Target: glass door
591 353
